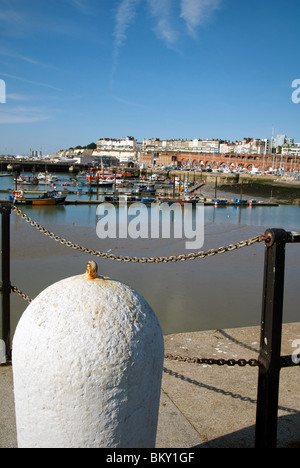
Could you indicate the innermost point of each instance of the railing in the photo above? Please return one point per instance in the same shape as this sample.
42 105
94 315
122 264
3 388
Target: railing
269 360
5 209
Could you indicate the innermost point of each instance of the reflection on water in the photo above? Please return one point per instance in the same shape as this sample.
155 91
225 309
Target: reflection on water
223 291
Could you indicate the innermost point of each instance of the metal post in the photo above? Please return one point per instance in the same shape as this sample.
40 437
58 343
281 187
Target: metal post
270 347
5 209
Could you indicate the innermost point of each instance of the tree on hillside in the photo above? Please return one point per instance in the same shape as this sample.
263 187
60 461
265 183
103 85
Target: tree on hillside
91 146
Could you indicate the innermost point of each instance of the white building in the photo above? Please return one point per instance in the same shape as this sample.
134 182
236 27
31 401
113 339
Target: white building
291 150
208 146
124 144
124 149
267 146
227 148
253 146
280 141
196 145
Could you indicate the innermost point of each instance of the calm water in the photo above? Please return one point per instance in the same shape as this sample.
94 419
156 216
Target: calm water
223 291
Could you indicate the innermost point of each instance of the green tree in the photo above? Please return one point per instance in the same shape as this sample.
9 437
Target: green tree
91 146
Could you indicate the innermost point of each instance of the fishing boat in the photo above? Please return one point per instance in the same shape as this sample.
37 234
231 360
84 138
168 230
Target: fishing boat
99 182
48 198
23 180
143 189
99 175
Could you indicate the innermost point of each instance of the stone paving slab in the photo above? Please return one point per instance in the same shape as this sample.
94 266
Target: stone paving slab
220 402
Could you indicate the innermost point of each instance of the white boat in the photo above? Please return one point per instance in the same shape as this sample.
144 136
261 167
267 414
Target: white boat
46 177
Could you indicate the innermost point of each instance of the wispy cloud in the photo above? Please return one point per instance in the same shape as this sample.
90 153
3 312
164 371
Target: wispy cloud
17 97
126 101
168 27
22 115
161 11
13 21
24 58
197 12
125 15
82 5
10 16
36 83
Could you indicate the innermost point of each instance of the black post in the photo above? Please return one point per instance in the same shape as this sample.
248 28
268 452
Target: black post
5 209
270 347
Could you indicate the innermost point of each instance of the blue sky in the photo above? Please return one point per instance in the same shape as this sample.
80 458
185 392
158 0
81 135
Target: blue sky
78 70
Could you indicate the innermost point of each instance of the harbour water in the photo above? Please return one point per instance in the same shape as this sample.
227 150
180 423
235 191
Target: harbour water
223 291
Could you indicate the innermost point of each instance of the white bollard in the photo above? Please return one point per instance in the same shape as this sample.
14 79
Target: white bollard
87 365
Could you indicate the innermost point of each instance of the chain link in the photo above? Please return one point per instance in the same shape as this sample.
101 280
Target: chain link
21 294
172 258
211 361
121 258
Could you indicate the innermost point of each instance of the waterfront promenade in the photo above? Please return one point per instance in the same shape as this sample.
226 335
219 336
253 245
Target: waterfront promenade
204 406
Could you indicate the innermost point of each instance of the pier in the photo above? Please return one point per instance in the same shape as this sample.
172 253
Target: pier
210 202
115 200
38 165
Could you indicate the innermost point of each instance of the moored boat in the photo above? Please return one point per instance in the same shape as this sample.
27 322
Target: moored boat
48 198
102 183
97 175
23 180
46 177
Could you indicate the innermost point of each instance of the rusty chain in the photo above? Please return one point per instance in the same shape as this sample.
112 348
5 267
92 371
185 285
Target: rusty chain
21 294
121 258
212 361
173 258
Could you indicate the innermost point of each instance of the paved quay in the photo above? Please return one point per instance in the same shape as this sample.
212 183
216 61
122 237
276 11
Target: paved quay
205 406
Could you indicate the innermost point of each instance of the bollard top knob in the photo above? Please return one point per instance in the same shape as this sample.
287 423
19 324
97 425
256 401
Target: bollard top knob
92 271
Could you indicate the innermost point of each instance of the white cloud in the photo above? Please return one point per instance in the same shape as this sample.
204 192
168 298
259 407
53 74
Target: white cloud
17 97
20 115
8 53
125 15
197 12
6 118
35 83
13 22
126 101
81 5
10 17
161 10
124 18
